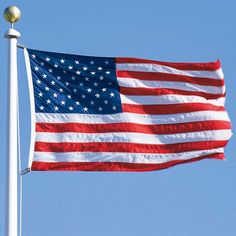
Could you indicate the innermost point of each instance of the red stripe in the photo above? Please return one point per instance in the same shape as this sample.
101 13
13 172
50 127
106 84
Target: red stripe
114 166
166 91
127 147
155 76
209 66
132 127
170 108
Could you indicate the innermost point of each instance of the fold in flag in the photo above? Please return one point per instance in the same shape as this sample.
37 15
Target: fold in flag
123 114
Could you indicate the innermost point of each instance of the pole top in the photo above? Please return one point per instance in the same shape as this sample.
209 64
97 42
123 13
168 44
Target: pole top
12 33
12 14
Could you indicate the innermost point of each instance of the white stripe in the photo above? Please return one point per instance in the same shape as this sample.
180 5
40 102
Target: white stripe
132 118
124 137
169 99
217 74
119 157
136 83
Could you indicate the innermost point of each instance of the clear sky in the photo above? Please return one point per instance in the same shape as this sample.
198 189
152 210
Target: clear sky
186 200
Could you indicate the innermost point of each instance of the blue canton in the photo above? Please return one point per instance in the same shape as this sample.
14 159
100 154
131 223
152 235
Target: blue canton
65 83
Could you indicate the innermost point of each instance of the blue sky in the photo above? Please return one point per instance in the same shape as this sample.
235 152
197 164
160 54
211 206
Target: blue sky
192 199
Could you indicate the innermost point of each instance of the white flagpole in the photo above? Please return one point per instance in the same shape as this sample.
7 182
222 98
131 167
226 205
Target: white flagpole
12 14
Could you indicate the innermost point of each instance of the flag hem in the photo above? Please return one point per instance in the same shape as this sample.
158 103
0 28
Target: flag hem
32 108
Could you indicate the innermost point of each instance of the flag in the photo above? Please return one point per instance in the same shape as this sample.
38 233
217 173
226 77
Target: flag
123 114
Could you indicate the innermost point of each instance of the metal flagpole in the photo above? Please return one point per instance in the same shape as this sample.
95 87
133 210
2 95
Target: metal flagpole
12 14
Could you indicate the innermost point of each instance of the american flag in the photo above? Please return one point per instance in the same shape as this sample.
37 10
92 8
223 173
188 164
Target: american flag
124 114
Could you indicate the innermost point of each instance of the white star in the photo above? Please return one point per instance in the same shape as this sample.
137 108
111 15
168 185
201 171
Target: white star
76 62
104 89
44 76
87 79
41 108
64 71
75 90
69 96
114 108
40 94
99 68
108 72
77 103
97 95
42 64
56 108
73 78
78 72
70 67
101 77
67 83
58 77
106 102
106 62
91 62
47 88
55 65
52 82
92 102
62 61
36 68
85 109
61 90
83 96
48 101
38 81
50 70
71 108
89 90
81 84
95 84
47 59
112 94
85 68
55 95
100 109
33 56
63 103
92 73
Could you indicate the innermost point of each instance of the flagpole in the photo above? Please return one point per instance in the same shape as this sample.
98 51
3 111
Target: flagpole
12 14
